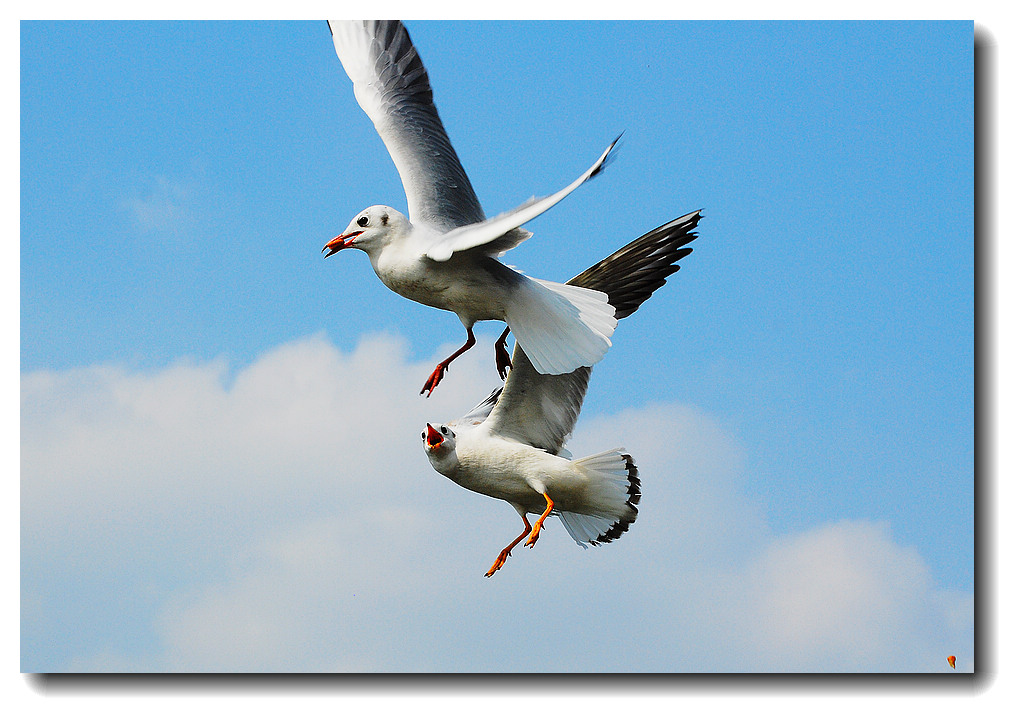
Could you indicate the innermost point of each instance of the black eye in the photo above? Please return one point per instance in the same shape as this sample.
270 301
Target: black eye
423 435
444 430
363 221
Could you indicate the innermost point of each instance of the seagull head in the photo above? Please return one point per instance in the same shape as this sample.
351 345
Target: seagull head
438 442
371 230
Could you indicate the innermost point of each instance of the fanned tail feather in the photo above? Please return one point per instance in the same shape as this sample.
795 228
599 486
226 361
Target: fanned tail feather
561 328
613 494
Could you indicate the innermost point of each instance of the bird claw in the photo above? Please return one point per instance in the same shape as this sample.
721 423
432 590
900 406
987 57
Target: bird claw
503 363
501 358
534 536
539 524
433 380
505 554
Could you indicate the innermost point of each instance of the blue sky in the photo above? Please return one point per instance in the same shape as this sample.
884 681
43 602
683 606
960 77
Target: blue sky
213 415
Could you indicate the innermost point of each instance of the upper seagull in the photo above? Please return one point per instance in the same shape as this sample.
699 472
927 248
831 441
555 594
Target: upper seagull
511 445
444 254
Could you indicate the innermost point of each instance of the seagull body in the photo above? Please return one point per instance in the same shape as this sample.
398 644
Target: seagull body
478 287
515 472
444 254
511 445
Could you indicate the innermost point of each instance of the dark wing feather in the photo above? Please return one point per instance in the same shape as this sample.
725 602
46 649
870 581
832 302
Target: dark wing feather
630 275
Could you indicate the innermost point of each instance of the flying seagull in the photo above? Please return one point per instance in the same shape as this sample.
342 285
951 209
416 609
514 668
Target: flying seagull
445 253
510 446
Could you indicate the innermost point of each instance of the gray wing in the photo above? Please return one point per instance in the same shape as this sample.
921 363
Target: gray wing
538 409
541 409
480 412
392 88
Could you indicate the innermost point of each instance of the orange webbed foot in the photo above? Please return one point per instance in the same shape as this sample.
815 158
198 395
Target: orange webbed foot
539 524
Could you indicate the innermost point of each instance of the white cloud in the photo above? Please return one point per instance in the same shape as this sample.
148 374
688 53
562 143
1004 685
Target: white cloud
292 607
844 596
304 420
690 471
284 518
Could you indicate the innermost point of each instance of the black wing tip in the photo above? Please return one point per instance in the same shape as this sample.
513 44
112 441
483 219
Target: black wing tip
621 526
690 220
611 153
633 273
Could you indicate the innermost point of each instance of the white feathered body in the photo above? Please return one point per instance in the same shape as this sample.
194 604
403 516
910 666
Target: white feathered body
476 289
592 495
560 327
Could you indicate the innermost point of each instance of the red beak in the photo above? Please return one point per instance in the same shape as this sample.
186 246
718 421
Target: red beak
338 243
434 438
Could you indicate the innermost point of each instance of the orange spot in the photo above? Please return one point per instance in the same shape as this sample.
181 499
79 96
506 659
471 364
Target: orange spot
952 661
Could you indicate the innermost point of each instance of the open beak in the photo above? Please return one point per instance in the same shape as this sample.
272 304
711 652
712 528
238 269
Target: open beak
434 438
338 243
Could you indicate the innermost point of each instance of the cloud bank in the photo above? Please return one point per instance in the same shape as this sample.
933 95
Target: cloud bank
283 518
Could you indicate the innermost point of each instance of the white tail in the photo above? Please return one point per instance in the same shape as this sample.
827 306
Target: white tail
561 328
613 492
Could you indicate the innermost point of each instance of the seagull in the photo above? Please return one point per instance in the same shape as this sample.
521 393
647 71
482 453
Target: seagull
511 445
444 254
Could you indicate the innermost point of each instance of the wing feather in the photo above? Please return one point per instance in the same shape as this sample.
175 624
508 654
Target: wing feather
541 409
501 233
392 87
630 275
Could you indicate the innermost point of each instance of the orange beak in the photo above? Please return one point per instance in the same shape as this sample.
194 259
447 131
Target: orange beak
338 243
434 438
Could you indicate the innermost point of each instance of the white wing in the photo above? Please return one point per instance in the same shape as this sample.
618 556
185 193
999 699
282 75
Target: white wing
495 235
392 88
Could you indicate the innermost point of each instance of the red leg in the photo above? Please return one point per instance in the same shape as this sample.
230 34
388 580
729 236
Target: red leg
504 554
501 358
540 522
434 379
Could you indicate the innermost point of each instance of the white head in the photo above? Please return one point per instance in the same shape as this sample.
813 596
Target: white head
439 444
370 231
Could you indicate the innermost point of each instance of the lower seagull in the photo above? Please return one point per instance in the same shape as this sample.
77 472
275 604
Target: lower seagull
510 446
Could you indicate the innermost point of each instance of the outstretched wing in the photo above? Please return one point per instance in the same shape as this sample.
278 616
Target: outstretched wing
630 275
501 233
541 409
392 88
